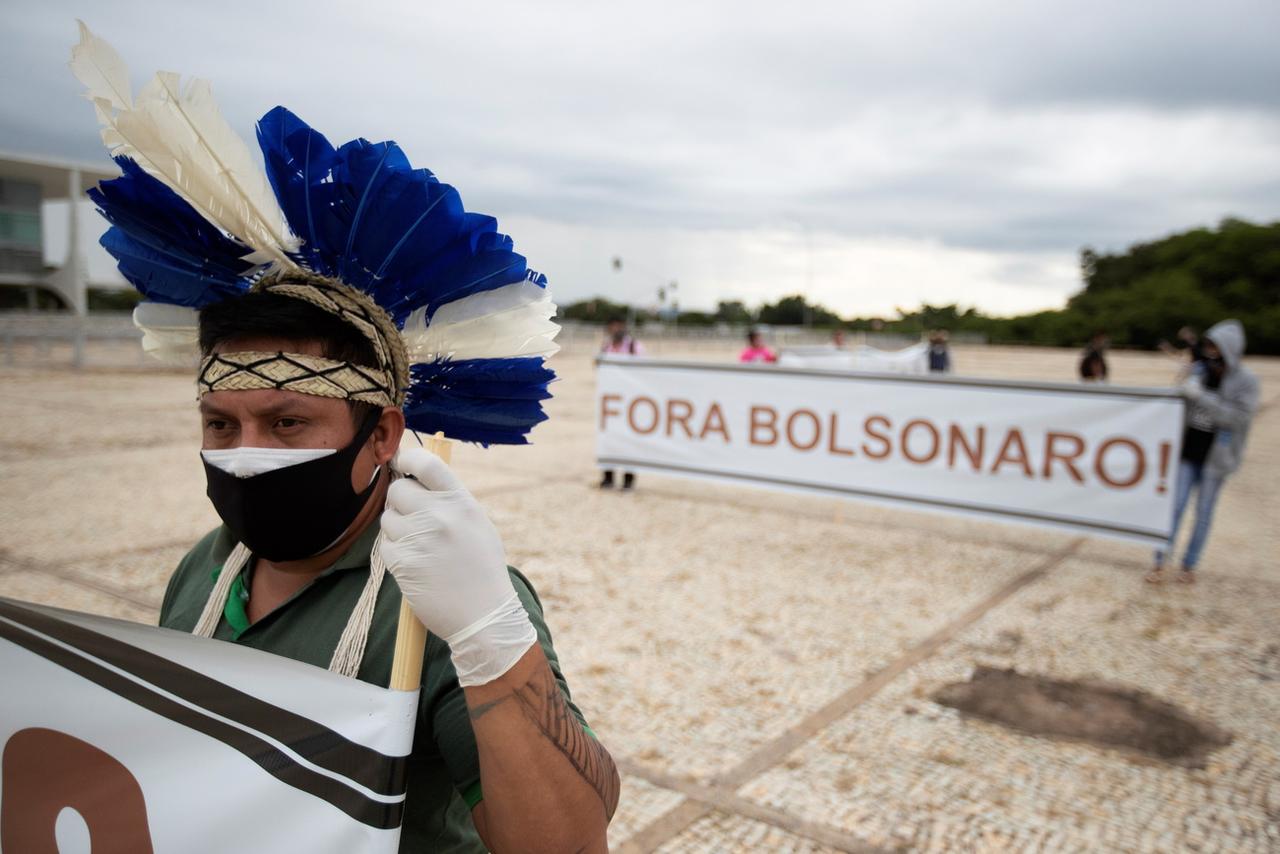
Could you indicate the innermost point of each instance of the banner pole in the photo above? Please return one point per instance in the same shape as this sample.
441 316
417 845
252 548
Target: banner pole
411 635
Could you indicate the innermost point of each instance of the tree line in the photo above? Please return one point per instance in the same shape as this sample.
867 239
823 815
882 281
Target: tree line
1139 297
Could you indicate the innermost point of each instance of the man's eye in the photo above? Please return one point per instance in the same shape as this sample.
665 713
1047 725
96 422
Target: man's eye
286 423
216 424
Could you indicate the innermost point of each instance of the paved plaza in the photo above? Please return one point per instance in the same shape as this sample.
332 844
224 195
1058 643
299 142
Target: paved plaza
762 664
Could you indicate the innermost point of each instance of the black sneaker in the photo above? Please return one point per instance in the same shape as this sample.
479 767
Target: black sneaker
606 482
628 481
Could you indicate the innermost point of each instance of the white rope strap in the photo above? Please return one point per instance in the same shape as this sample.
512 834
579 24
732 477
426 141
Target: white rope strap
212 614
350 650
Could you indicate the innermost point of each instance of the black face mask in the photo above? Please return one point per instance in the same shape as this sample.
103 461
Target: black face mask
297 511
1215 367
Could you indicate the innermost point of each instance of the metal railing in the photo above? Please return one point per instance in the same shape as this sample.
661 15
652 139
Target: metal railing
576 336
57 338
51 339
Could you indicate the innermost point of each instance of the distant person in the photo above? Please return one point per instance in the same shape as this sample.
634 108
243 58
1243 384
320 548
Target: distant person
837 339
619 342
1187 340
1222 395
939 353
1186 346
756 351
1093 362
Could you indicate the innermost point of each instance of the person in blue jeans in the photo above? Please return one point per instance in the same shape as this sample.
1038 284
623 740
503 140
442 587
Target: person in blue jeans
1222 395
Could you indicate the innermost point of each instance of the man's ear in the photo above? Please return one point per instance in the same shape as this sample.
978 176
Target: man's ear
387 434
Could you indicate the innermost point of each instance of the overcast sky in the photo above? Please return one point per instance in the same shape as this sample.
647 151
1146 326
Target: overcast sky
870 155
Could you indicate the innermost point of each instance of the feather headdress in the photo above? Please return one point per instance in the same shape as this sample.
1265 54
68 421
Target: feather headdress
462 327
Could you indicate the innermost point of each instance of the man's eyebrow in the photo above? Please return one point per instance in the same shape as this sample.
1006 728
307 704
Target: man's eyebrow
287 405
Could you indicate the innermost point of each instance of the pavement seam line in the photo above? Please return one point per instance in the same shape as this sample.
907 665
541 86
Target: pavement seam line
124 596
125 551
671 823
664 827
70 577
727 801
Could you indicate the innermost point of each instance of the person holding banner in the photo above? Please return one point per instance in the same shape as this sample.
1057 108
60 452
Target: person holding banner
1093 361
495 719
1222 395
939 353
756 350
330 303
619 342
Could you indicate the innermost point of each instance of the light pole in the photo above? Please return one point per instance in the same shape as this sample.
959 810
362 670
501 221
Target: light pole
631 311
664 291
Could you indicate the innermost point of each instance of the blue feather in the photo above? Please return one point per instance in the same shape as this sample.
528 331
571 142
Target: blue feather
162 246
489 401
294 153
164 277
369 218
513 379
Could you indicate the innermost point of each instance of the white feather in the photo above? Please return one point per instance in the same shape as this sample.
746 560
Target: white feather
508 322
96 64
179 136
170 333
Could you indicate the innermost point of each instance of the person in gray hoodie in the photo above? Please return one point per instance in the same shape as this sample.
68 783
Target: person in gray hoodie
1222 395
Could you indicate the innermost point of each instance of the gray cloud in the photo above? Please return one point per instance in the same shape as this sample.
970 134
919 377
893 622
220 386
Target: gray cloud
1006 128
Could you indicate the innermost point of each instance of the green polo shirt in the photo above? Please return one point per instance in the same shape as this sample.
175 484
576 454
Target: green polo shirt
444 768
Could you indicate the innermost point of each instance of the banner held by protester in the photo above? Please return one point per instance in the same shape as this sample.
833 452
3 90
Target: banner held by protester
908 360
186 733
1099 460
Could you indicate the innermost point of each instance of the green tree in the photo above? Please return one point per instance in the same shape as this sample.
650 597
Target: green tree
794 310
733 311
104 300
1194 278
594 310
697 318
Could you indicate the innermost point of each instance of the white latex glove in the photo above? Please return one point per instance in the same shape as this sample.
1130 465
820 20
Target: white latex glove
1192 388
449 562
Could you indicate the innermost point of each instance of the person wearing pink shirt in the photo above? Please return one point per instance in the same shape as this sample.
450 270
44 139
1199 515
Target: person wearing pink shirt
756 351
617 340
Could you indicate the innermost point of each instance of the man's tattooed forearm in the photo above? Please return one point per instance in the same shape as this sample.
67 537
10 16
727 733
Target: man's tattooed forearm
545 707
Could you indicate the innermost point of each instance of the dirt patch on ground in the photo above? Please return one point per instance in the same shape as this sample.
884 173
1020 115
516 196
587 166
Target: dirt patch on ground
1100 713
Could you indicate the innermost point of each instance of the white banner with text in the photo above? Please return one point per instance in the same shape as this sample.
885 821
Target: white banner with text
1095 459
908 360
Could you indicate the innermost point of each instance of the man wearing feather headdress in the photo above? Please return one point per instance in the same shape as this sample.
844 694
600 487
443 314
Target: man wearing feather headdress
332 302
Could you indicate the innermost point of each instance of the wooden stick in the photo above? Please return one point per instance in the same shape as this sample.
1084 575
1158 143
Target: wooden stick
411 635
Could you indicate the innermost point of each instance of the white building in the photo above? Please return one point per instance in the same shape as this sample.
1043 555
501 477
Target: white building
26 183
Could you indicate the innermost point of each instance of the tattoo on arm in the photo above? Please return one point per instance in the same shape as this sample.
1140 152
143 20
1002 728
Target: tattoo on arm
485 708
542 704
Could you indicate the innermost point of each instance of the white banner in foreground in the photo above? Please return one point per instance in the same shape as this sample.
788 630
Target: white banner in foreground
1090 458
124 737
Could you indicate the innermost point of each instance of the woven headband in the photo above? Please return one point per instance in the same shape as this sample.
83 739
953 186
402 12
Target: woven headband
315 375
297 372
